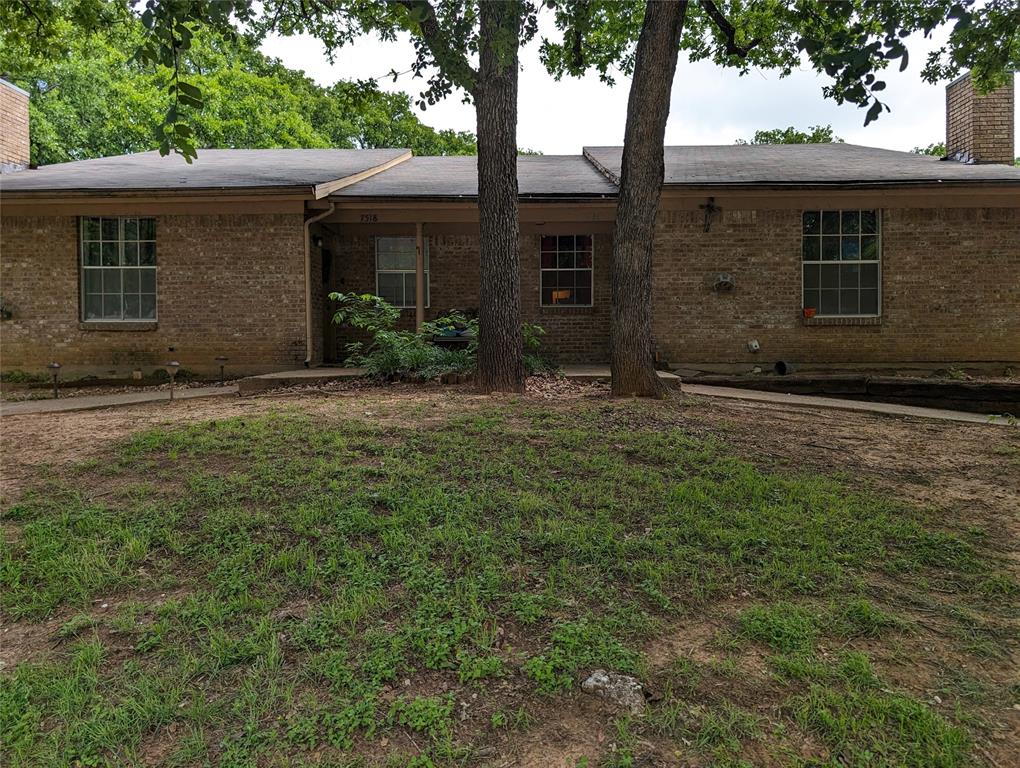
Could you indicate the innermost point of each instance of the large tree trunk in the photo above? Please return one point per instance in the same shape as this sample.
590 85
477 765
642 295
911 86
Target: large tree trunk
632 354
500 344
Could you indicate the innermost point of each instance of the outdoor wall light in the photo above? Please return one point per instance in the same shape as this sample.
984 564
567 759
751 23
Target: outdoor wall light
710 209
724 282
222 363
171 369
55 372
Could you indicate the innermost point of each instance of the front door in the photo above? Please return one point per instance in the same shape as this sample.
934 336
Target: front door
330 355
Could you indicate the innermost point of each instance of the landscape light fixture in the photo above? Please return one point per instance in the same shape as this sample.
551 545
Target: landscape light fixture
222 361
54 372
171 369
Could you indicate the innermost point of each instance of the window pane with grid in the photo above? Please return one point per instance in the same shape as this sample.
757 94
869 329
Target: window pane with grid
395 270
566 270
840 252
118 262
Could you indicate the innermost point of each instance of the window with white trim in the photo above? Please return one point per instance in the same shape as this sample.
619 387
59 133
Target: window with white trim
841 252
566 266
118 268
395 270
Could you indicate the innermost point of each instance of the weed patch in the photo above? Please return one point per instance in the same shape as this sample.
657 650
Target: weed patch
445 586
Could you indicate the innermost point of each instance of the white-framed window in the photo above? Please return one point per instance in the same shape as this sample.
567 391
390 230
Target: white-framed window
566 267
395 270
841 252
118 268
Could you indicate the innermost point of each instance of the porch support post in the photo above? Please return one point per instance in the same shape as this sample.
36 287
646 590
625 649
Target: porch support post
419 275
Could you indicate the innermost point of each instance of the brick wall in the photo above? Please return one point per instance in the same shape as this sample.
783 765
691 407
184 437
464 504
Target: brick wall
226 285
980 126
14 146
574 334
233 285
950 291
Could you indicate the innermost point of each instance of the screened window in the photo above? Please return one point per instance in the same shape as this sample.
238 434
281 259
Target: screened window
118 264
395 276
566 270
841 253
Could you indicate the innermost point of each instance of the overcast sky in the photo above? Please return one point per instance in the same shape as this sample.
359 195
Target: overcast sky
709 105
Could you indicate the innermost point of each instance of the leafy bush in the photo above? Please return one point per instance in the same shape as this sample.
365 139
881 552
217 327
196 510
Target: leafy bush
23 377
364 312
409 355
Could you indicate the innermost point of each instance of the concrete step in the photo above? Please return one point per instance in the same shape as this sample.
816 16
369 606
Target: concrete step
600 373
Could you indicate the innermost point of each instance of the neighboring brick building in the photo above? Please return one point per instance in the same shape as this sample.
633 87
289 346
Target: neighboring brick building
14 142
827 255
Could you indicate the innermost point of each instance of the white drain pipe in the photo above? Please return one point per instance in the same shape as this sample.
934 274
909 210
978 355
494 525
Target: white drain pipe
308 281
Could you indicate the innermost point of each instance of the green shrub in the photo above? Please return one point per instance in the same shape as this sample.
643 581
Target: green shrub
364 312
408 355
23 377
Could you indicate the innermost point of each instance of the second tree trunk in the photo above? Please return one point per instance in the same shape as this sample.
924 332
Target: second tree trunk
632 354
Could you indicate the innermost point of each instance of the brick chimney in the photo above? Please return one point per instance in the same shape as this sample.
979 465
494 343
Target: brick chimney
14 147
979 129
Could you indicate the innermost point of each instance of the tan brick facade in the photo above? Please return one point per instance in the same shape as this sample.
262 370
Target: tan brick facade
232 284
14 142
574 334
980 126
226 285
950 290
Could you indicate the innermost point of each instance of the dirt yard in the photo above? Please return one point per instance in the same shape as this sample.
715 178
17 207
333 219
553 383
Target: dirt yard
748 665
920 460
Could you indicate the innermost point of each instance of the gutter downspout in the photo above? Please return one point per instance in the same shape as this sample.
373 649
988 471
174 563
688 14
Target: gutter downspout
308 281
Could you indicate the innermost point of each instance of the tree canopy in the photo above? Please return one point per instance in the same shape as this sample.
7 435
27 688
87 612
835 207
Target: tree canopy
936 149
851 43
816 134
90 98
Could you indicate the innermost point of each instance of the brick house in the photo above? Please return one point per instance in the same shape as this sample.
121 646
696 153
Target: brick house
829 255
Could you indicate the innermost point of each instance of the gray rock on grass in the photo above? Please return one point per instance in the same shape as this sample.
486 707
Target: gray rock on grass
622 690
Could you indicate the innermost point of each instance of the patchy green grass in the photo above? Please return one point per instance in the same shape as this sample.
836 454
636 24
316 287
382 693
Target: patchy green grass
284 591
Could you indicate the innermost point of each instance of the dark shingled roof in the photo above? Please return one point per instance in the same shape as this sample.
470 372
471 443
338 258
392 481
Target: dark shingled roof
805 165
214 169
452 177
539 176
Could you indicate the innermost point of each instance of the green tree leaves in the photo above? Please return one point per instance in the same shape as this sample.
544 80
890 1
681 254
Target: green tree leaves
816 134
851 42
92 96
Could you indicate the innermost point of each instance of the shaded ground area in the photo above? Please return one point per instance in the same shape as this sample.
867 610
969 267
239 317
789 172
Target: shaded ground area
408 576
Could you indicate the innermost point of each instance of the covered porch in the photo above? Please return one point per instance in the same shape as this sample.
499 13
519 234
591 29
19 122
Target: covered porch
423 257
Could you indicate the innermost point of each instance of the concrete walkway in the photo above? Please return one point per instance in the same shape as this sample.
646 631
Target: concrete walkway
576 373
813 401
601 373
301 376
91 402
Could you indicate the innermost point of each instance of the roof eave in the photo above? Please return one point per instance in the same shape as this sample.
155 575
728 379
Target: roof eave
813 185
302 191
545 198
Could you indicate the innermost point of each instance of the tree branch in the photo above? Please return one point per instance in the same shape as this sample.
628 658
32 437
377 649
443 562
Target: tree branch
727 29
38 19
456 63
